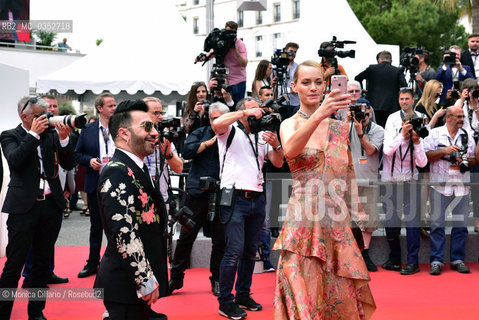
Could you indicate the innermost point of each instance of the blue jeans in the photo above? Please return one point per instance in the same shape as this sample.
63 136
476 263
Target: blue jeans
242 236
439 203
405 198
238 91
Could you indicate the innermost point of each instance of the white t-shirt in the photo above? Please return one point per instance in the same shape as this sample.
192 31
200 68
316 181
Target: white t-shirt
240 167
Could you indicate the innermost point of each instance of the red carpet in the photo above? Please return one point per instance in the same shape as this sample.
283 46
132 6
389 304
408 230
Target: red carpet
421 296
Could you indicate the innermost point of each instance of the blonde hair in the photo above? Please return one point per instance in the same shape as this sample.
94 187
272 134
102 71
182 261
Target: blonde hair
307 63
428 97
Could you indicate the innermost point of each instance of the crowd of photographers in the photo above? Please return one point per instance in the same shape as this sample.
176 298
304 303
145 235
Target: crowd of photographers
411 144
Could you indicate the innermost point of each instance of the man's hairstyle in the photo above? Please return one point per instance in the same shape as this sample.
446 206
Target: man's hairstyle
406 90
325 44
354 83
151 99
122 116
307 63
100 100
469 83
261 90
386 56
218 106
293 45
233 25
454 47
425 55
28 110
49 96
473 35
241 104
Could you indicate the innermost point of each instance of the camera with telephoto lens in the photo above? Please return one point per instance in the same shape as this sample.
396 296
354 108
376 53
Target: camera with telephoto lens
331 54
408 58
419 126
175 133
268 122
449 58
183 217
359 111
270 103
211 185
461 154
73 121
474 93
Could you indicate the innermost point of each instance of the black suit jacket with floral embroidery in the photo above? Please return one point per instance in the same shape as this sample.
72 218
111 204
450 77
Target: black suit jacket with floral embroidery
134 219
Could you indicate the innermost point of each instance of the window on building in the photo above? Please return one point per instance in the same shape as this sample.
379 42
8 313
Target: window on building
195 25
196 2
296 10
276 40
259 17
277 12
240 19
259 46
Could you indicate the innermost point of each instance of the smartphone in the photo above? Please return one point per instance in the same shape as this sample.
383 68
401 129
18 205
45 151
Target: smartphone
339 82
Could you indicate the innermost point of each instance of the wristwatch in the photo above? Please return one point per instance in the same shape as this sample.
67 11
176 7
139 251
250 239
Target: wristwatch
169 156
361 135
278 147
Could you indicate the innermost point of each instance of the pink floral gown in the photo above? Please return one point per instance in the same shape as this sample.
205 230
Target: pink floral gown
321 273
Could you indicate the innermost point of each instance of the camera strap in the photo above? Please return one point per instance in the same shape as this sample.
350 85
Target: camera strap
228 144
255 151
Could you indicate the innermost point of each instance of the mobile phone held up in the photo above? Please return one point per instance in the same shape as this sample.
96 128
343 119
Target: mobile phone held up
339 82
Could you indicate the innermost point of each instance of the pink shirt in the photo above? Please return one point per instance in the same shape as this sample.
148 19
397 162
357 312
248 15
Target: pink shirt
237 71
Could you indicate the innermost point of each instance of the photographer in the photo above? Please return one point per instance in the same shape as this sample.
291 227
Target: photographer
329 65
202 149
469 103
451 150
194 113
165 154
236 60
366 140
425 73
220 94
354 89
291 49
241 155
265 93
451 73
403 151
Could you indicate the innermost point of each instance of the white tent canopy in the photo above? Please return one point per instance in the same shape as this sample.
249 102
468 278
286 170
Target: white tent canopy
146 48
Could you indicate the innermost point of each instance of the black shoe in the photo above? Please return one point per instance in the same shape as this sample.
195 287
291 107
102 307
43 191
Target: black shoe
232 311
246 302
87 271
435 270
409 269
174 285
40 317
54 279
423 232
156 315
392 266
215 287
460 267
367 260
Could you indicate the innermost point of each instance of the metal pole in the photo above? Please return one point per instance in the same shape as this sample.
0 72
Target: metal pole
210 22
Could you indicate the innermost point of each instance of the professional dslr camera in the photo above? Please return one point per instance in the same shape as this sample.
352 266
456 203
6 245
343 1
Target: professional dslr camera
408 59
206 105
449 58
419 126
182 216
331 54
212 186
175 132
461 154
219 72
73 121
359 111
269 121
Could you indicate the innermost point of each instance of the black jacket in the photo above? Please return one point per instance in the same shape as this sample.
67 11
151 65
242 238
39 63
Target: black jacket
134 219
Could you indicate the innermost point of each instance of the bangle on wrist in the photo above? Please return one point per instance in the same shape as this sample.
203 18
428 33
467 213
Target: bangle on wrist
169 156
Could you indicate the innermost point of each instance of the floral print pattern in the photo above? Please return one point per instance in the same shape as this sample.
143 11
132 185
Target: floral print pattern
321 273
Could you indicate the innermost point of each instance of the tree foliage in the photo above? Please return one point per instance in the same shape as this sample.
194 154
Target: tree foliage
412 23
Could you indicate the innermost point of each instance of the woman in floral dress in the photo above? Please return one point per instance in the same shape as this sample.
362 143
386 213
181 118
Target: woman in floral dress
321 273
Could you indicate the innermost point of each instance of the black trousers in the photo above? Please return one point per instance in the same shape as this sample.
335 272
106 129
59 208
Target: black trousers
96 231
39 227
184 245
122 311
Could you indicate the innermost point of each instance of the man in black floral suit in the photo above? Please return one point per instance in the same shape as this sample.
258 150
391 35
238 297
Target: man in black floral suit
133 271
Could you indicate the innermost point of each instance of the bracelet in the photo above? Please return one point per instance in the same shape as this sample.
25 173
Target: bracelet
204 143
361 135
169 156
278 147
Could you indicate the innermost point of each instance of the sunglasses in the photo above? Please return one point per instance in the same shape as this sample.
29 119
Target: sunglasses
32 100
147 125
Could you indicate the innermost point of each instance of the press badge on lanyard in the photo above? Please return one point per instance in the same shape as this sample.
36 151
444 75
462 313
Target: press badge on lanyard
454 170
363 161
